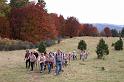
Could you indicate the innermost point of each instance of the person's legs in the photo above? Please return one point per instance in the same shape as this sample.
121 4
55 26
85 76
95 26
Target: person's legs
86 56
80 57
31 66
41 67
36 63
83 58
60 66
57 68
73 57
28 63
49 67
45 65
65 62
76 57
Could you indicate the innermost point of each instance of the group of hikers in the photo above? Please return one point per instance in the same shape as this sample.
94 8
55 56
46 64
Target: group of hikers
52 60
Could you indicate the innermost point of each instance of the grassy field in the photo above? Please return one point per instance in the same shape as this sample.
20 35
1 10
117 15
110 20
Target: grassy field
12 66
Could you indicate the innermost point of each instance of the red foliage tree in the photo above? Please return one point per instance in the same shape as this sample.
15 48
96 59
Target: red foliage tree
31 23
61 28
54 23
94 31
107 32
71 27
87 29
58 24
5 30
81 30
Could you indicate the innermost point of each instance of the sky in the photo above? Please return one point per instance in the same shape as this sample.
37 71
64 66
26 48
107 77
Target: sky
89 11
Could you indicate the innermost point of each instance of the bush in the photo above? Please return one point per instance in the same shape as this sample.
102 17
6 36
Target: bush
49 43
82 45
42 47
118 45
102 49
9 45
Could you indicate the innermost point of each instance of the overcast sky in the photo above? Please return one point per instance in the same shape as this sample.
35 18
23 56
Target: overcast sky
89 11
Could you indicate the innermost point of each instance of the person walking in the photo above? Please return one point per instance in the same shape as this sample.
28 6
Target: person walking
50 62
58 59
42 60
27 62
83 55
32 60
65 60
74 55
69 56
36 55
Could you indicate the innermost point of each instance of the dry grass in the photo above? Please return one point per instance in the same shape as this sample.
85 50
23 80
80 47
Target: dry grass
12 67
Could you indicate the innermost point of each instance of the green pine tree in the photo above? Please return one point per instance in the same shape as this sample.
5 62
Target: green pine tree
102 49
42 47
82 45
114 33
118 45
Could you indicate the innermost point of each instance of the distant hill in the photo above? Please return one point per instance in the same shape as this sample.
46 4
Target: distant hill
101 26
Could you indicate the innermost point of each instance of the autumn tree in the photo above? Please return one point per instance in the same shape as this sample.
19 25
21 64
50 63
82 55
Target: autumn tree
31 23
71 27
81 30
5 30
107 32
54 23
94 31
87 29
61 28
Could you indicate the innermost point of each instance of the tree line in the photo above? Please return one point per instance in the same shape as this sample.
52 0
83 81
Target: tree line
29 21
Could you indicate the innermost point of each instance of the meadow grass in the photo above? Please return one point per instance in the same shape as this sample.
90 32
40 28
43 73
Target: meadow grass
12 65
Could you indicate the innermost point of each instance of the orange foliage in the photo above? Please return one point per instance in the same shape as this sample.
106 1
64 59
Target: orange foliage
5 30
107 31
